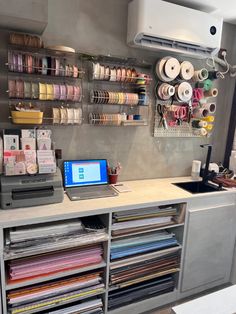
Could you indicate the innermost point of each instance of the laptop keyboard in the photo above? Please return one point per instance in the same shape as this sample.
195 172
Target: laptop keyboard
91 192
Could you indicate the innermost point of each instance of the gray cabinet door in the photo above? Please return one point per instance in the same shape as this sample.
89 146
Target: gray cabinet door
209 247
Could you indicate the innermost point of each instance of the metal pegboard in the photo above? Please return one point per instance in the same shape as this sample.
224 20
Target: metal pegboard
184 130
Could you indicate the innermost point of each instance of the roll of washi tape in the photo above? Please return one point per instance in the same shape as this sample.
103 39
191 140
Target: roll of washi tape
183 92
172 68
211 93
186 70
200 113
200 75
199 124
209 119
207 85
211 107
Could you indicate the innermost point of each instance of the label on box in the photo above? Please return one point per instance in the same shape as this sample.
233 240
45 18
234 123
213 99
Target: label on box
44 144
28 143
42 134
11 142
28 133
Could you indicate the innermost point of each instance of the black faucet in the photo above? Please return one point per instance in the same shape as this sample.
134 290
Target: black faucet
206 175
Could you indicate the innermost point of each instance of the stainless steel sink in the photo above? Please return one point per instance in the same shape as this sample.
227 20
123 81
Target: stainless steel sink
196 187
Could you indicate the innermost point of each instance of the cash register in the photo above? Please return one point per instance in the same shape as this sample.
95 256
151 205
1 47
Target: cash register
25 191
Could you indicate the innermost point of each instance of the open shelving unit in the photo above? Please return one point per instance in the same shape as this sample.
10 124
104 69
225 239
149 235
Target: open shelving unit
106 266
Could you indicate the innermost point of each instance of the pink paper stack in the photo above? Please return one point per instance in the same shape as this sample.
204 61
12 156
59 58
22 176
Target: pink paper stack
45 264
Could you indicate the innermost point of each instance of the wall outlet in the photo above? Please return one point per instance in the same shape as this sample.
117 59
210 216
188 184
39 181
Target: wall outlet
222 53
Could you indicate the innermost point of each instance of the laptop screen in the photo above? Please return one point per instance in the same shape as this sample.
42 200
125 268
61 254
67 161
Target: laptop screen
85 172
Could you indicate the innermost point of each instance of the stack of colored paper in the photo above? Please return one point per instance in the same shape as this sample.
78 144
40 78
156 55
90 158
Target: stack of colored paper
138 292
46 264
54 294
141 244
127 222
147 268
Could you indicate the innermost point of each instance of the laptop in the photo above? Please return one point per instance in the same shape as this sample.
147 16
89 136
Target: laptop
86 179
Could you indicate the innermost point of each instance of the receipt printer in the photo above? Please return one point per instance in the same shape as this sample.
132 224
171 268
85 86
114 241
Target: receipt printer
25 191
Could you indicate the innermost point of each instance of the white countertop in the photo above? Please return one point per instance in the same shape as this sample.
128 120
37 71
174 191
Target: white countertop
220 302
144 193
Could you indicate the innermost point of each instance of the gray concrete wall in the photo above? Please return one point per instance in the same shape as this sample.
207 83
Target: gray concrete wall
99 27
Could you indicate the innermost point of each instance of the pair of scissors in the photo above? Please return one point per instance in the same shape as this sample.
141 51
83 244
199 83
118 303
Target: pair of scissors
180 113
162 110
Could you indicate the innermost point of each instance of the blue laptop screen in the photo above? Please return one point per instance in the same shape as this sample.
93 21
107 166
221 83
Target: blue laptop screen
85 172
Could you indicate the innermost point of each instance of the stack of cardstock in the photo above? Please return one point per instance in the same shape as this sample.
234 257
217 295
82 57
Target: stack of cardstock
93 306
57 293
144 270
50 263
128 222
141 244
138 292
24 241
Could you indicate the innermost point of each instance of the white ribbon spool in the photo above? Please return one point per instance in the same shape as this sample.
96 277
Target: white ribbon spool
186 70
160 70
172 68
165 91
183 92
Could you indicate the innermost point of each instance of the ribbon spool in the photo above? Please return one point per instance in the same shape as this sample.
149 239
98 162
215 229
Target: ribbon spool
211 93
186 70
207 85
199 124
167 69
200 113
165 91
200 132
209 127
200 75
211 107
209 119
183 92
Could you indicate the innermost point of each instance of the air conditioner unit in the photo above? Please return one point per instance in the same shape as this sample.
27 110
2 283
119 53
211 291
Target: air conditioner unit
159 25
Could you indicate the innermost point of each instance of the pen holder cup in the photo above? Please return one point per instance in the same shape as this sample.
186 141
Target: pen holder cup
113 178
